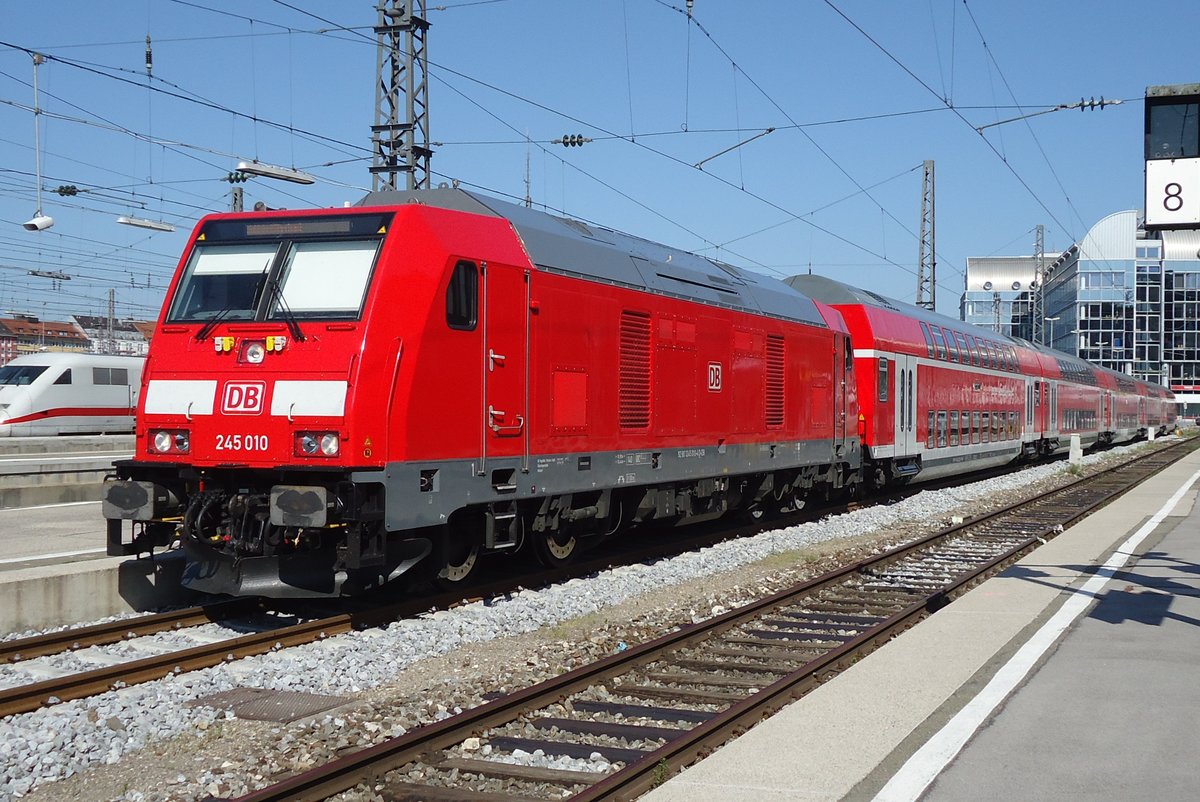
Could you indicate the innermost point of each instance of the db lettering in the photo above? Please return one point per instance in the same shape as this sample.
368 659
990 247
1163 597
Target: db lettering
243 398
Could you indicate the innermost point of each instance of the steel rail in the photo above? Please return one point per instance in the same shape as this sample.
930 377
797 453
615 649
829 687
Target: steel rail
14 651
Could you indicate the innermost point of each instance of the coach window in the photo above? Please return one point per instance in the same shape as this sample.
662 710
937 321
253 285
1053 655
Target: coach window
928 340
985 427
954 427
975 427
950 346
929 432
111 376
962 348
973 347
939 342
883 379
966 427
65 378
941 428
462 297
1012 424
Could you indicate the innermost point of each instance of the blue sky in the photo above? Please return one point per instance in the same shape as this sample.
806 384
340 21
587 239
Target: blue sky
835 187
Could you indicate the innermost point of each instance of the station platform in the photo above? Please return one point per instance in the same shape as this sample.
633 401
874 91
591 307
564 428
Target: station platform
1071 675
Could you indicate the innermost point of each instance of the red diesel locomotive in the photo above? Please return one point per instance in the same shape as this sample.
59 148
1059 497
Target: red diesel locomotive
336 396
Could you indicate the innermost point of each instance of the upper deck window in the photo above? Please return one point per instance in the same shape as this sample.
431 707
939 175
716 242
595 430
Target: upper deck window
928 340
939 342
268 269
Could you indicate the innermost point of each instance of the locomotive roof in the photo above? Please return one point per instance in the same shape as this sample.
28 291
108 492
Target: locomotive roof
563 245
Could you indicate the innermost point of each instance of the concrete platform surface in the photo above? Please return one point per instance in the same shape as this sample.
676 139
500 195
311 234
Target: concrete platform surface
880 721
31 535
54 571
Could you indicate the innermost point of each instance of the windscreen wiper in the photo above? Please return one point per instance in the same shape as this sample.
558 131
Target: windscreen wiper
292 323
207 328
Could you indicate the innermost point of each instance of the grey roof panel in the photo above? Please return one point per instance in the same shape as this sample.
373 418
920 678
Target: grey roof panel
573 247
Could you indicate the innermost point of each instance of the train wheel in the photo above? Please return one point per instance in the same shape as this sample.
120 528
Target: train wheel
555 549
462 556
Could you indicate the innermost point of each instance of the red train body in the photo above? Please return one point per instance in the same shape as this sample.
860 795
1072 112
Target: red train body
940 397
334 398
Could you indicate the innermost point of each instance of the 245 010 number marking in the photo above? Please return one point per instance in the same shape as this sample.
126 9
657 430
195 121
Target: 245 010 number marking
242 442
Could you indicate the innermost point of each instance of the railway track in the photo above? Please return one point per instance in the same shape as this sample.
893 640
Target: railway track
646 712
260 634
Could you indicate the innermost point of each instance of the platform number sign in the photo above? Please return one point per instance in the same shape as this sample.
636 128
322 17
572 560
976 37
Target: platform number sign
1173 192
714 377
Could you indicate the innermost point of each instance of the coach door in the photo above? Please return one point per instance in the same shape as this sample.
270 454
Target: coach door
905 407
505 364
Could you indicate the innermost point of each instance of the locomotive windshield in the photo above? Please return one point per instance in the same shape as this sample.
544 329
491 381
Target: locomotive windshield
279 270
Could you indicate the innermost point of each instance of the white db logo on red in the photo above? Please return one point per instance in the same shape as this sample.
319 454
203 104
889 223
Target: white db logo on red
243 398
714 377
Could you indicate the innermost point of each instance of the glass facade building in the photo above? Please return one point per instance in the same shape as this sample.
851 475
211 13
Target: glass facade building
1123 297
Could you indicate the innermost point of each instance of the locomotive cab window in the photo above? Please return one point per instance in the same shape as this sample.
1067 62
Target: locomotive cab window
64 377
283 269
223 279
324 279
462 297
884 379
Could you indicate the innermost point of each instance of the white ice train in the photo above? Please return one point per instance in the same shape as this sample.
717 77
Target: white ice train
64 393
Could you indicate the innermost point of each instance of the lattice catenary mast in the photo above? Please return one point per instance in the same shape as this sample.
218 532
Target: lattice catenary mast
1039 284
927 264
401 146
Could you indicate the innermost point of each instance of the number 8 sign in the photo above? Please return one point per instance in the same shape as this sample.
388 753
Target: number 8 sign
1173 192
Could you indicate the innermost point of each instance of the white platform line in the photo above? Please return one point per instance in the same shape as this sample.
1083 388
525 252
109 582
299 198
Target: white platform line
29 558
931 759
50 506
50 459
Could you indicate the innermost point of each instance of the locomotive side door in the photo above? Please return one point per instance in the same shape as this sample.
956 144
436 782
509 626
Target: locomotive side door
905 405
505 363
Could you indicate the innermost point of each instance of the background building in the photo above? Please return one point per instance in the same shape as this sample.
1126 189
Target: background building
122 337
998 294
1122 297
29 334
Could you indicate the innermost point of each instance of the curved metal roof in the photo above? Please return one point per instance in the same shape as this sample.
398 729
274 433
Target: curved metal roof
563 245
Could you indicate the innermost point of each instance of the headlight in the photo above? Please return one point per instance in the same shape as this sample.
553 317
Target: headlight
317 444
255 352
170 441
